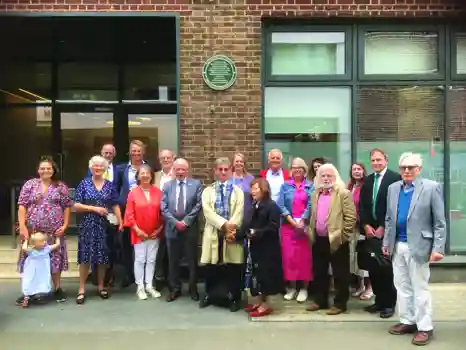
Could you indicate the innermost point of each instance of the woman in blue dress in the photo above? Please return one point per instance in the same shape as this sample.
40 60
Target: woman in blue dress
97 200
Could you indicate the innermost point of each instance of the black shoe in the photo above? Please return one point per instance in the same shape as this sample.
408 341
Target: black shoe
19 301
373 309
173 296
194 294
204 302
235 306
59 295
386 313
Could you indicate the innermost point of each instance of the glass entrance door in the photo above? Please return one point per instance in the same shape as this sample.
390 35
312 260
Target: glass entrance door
82 136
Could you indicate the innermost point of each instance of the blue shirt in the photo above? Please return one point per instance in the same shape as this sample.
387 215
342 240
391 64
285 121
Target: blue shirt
404 202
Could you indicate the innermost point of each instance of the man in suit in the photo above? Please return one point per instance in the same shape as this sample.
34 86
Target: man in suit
415 233
181 205
372 210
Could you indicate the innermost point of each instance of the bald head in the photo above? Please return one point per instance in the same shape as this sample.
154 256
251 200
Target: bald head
108 152
181 168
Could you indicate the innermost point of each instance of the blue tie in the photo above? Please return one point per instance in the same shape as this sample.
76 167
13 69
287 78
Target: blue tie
222 193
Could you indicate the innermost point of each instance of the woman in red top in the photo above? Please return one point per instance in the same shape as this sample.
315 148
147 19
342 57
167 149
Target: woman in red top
143 217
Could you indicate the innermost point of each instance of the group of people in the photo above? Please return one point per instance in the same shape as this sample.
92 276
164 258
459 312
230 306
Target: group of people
295 232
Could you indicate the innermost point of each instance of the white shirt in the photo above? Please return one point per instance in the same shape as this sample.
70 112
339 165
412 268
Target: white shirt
165 178
276 181
381 175
178 192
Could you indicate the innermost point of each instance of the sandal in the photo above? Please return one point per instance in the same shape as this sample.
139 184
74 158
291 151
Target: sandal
103 294
25 303
81 298
367 295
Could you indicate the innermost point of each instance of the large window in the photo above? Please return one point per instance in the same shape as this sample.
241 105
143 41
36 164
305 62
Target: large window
337 92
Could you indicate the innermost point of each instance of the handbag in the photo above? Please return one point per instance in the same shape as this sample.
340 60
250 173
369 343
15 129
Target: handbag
370 254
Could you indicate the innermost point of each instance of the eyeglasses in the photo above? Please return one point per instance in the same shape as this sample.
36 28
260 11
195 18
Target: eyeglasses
408 167
223 170
297 168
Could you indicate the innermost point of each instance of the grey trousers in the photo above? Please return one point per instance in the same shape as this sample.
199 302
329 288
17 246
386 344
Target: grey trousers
185 246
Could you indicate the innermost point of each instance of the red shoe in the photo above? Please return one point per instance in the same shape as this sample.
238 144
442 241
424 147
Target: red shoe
251 308
262 313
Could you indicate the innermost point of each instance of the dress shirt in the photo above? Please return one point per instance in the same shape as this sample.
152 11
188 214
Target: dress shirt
276 181
165 178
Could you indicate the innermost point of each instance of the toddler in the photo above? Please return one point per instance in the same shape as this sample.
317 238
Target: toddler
36 278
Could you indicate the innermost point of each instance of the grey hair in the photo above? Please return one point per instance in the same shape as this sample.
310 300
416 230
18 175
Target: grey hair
275 150
181 161
301 163
339 183
414 158
98 160
222 161
167 150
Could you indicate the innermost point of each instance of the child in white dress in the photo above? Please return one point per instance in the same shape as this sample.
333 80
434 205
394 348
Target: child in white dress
36 278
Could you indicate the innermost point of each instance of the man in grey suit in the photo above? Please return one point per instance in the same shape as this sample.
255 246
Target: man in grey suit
415 232
181 204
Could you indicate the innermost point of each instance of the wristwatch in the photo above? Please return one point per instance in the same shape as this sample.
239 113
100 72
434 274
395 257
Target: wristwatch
252 231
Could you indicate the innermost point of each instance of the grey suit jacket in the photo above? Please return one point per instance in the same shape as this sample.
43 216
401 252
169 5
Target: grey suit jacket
426 226
193 207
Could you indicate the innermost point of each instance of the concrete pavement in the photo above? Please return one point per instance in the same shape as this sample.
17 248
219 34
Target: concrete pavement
123 322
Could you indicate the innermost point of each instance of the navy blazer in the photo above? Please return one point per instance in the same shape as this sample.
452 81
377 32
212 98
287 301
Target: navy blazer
121 182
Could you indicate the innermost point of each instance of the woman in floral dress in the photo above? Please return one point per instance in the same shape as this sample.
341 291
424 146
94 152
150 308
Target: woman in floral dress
44 205
97 200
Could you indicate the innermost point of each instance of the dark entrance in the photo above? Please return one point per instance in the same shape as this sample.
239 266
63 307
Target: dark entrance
70 84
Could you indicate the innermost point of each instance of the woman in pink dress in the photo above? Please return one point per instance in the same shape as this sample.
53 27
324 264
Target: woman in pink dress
44 205
294 202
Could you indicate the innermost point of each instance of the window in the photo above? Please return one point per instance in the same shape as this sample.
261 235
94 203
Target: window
460 58
25 83
309 122
308 55
150 82
400 53
402 119
457 138
88 82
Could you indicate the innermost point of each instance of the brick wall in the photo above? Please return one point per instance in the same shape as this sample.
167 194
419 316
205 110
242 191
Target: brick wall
220 123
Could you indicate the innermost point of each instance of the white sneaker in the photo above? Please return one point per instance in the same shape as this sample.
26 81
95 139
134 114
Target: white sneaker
153 293
141 293
290 294
302 296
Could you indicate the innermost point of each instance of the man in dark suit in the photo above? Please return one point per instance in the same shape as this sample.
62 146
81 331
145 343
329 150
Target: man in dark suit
181 204
372 210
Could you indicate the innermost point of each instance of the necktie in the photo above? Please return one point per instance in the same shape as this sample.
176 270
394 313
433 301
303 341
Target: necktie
180 204
222 193
374 194
107 175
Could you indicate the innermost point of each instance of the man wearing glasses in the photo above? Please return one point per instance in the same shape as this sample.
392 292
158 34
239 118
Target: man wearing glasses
415 232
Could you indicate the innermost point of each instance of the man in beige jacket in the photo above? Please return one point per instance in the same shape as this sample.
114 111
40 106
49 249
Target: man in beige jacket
333 217
223 257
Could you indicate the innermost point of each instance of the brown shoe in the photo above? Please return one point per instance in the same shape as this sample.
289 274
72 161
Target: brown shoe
335 311
314 307
401 329
422 338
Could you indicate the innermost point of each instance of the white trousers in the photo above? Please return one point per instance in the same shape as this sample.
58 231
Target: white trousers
144 261
412 285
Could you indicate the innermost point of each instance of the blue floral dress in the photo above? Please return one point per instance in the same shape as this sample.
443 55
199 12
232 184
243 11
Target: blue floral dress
92 227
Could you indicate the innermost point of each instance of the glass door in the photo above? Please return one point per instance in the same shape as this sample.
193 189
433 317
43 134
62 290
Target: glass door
83 132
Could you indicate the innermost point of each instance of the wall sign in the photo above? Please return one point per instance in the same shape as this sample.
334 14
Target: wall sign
219 72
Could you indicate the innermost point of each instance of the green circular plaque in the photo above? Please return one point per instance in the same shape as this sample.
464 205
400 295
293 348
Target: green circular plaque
219 72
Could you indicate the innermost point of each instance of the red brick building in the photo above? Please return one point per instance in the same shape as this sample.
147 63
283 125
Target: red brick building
326 78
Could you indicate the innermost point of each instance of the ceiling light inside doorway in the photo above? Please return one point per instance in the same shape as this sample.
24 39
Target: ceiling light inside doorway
130 123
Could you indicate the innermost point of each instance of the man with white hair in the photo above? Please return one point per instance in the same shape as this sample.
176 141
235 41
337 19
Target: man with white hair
181 204
333 218
415 232
275 174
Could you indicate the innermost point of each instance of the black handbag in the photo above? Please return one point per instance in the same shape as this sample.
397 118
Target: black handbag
370 254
